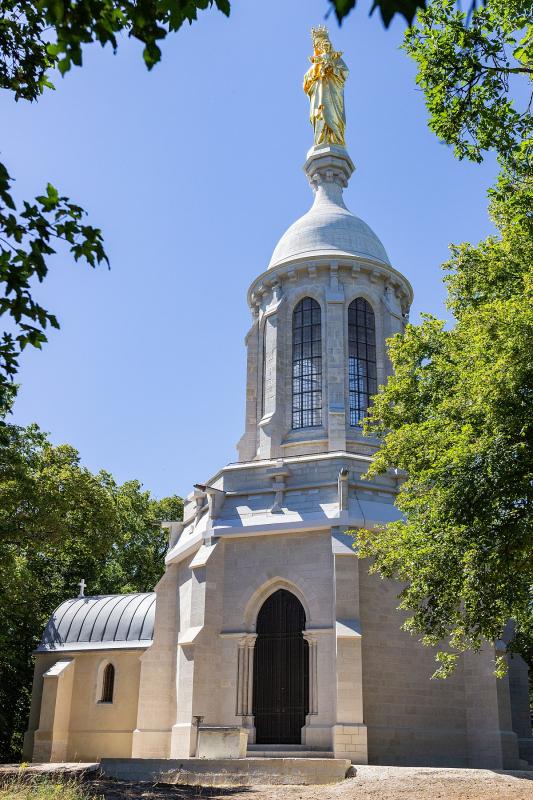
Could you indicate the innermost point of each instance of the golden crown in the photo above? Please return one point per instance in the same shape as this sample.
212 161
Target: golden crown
319 33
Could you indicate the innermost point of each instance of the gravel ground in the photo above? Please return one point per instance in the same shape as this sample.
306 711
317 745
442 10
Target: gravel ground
371 783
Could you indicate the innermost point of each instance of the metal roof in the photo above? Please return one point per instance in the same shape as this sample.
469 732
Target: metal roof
101 623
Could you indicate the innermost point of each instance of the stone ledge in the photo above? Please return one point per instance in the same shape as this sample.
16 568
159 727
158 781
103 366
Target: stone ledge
228 772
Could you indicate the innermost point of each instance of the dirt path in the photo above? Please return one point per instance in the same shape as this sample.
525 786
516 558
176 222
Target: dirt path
371 783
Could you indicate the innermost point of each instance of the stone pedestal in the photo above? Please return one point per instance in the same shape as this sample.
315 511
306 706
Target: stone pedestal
219 741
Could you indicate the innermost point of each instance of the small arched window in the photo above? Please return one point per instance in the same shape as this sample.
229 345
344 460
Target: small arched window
361 358
306 365
108 684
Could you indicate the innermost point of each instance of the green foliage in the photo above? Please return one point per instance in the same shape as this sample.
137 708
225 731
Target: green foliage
387 8
28 236
38 36
59 523
466 62
457 418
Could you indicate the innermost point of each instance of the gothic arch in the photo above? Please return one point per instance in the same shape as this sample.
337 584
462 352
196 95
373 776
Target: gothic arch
363 357
280 670
307 364
258 598
106 681
301 294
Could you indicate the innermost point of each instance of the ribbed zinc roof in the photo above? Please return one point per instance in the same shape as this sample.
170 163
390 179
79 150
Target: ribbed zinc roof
101 623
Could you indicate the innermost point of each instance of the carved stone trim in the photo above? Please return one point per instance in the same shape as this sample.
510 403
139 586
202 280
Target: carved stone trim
313 672
245 672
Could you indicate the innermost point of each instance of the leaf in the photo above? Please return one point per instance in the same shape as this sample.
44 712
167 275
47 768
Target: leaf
224 6
388 8
406 8
27 235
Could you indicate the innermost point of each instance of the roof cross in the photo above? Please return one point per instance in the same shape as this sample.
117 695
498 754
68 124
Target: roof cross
82 586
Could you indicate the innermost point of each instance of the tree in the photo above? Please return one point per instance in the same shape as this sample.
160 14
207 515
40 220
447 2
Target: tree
456 415
467 64
457 418
59 523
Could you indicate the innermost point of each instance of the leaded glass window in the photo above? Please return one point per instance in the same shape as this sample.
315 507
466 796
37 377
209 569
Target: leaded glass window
361 358
306 365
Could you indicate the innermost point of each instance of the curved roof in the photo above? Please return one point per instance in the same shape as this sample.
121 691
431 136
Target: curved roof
328 228
103 622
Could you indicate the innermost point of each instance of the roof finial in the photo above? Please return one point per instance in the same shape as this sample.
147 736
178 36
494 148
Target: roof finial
82 586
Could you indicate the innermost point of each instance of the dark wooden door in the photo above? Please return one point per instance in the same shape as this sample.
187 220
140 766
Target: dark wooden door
281 671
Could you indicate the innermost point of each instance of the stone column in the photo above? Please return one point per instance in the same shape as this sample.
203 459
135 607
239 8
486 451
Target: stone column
520 710
247 445
491 741
321 717
313 675
271 424
245 676
157 691
335 361
51 739
349 732
198 650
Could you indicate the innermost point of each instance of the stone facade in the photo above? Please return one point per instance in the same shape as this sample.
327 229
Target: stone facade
277 520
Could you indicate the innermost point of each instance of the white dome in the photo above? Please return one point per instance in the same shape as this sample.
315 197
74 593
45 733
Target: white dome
328 228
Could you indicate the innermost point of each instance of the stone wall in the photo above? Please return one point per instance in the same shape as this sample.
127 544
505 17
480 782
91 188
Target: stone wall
68 722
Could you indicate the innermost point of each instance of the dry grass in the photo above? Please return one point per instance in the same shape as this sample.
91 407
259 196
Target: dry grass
25 786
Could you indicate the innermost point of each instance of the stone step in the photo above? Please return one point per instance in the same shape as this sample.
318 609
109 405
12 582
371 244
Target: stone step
286 751
292 747
250 771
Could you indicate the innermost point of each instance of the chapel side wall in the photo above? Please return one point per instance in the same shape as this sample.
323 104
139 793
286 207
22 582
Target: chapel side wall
96 729
411 719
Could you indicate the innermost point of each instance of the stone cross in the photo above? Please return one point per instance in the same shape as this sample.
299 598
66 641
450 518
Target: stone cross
82 586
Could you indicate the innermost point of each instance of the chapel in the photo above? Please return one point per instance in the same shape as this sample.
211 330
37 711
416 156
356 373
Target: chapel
265 619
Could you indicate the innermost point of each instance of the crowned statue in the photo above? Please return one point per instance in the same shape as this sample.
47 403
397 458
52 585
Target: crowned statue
324 83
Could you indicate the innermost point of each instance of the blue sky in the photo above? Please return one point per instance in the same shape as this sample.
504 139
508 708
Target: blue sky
193 171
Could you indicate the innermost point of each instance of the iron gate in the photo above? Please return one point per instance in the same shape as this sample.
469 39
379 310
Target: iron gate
281 671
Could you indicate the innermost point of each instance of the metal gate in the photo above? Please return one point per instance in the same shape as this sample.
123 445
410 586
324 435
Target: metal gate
281 671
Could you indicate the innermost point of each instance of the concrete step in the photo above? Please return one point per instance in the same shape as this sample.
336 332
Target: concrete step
250 771
286 751
294 748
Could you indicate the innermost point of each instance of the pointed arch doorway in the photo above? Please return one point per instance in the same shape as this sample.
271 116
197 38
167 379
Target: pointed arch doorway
281 671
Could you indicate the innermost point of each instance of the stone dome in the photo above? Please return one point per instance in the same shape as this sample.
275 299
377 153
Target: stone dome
328 228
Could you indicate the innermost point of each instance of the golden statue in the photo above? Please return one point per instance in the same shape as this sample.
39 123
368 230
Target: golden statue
324 83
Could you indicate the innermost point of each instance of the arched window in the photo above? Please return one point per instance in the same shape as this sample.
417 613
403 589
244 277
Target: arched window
361 358
306 365
108 684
